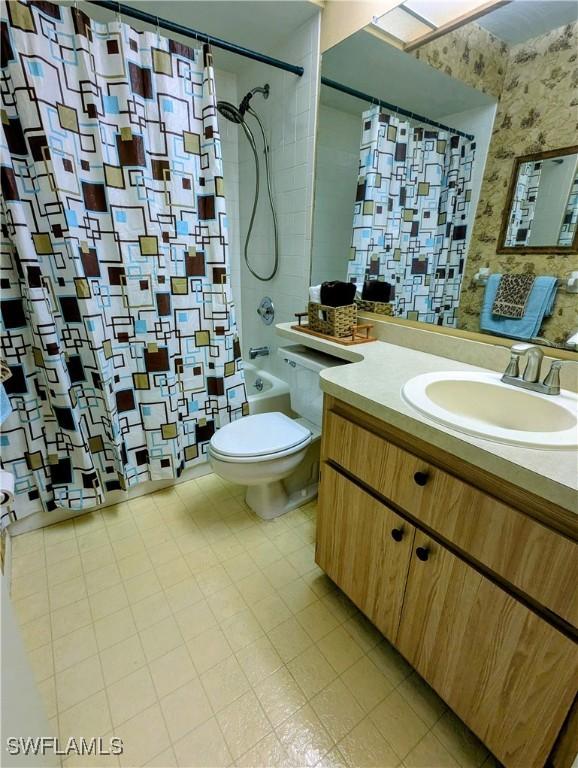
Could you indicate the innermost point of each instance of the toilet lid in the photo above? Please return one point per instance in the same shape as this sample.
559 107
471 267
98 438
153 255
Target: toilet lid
259 435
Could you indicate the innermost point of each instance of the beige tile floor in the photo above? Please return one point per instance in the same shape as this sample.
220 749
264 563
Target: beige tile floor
203 636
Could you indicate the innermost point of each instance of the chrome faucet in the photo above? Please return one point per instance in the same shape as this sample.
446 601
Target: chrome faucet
258 352
531 376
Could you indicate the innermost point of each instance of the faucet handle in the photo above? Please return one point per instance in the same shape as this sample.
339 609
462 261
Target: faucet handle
516 352
552 380
513 367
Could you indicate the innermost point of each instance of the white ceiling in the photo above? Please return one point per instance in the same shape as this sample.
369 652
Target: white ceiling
522 20
257 24
366 63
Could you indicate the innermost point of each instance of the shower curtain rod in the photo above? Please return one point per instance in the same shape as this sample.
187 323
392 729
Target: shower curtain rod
399 110
172 26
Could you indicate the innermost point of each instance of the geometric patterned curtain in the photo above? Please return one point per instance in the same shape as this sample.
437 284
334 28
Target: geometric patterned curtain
523 204
570 218
411 215
117 321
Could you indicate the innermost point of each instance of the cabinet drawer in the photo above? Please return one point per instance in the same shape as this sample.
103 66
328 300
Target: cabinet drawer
540 562
506 672
364 547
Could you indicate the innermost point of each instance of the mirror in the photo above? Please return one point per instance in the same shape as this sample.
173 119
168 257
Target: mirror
417 145
542 209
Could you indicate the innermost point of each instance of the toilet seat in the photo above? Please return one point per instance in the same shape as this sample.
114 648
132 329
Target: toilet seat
261 437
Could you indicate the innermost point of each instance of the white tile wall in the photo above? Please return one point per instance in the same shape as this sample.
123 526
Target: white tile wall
338 136
289 118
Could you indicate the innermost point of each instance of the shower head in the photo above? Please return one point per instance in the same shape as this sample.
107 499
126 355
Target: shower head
230 112
244 105
237 114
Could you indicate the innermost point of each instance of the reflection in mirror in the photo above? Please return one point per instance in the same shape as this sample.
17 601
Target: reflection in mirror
411 216
415 156
543 205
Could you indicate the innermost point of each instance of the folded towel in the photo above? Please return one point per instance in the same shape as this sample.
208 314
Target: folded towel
5 407
512 295
540 304
315 293
337 293
376 290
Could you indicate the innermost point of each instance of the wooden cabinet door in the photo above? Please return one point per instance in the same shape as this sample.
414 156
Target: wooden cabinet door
506 672
364 547
540 562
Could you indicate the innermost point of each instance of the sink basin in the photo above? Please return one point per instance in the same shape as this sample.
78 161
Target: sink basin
480 404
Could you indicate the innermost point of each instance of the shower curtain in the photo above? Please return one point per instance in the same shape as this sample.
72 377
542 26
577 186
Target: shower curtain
524 204
411 215
570 219
117 321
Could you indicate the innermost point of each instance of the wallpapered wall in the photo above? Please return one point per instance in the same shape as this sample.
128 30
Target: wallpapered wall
538 109
470 54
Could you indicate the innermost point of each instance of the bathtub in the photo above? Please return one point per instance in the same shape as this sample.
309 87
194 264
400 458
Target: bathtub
266 392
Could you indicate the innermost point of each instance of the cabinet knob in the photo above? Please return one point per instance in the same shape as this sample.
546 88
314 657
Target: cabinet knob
421 478
397 534
422 553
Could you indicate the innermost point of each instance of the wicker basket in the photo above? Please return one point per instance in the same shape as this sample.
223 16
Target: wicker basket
333 321
379 307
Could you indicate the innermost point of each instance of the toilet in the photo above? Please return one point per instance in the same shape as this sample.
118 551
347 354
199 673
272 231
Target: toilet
274 455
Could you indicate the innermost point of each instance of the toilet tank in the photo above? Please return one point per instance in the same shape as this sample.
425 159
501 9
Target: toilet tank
302 367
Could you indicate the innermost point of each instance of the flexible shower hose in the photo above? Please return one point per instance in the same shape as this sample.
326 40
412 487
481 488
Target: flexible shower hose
251 138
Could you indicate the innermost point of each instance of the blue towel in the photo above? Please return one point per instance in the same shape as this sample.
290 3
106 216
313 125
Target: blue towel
540 304
5 407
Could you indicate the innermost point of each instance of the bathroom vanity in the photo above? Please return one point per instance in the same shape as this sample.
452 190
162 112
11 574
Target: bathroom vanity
465 561
472 588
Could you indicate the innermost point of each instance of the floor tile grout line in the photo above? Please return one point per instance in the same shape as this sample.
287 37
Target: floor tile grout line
165 721
185 643
273 727
57 713
100 650
84 573
245 542
215 712
200 678
139 631
431 733
220 621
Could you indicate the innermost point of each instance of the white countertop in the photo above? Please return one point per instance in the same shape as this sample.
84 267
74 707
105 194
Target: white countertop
373 383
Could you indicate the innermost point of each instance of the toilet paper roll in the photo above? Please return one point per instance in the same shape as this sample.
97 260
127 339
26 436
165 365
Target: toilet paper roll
6 487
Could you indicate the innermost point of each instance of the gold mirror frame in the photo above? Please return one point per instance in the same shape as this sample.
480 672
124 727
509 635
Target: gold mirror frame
528 249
